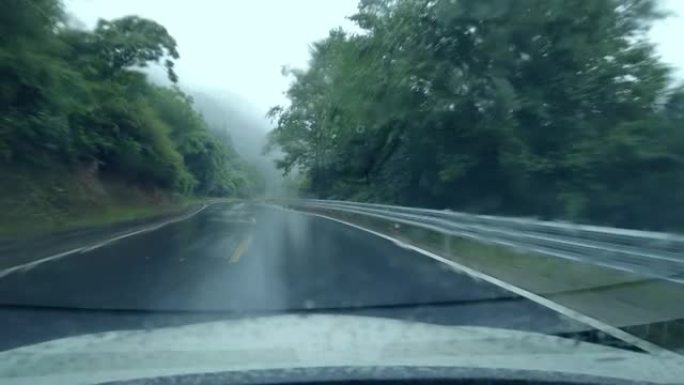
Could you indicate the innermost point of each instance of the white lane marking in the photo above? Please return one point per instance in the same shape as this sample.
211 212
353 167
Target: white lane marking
30 265
587 320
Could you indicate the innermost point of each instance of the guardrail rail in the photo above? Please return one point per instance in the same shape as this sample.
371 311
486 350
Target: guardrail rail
649 253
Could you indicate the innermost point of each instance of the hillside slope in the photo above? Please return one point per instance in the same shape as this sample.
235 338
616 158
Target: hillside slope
84 135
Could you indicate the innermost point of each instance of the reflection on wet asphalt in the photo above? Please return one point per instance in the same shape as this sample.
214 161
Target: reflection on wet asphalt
237 260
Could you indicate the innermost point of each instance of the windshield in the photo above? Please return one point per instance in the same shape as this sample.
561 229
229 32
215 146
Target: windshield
460 165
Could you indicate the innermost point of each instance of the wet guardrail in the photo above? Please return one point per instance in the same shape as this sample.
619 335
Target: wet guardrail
650 253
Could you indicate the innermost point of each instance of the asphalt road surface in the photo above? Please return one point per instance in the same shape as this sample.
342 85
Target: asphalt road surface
241 260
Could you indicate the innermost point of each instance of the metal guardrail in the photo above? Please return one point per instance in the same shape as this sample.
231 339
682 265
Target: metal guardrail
643 252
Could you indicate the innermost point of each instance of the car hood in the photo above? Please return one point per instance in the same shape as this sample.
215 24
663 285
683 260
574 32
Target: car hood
300 341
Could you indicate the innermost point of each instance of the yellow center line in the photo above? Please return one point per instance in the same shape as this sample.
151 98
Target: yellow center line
240 249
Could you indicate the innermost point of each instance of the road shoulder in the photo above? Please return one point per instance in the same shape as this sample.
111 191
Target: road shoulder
644 307
24 252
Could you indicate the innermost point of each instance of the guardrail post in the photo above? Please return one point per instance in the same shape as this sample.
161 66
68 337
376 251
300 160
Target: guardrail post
446 243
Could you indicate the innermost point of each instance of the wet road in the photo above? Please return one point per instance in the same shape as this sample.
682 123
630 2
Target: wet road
237 260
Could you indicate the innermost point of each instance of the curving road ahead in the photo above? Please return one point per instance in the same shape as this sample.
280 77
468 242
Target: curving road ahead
237 260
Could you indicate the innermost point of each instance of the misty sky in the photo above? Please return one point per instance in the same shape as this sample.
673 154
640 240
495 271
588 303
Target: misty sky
239 46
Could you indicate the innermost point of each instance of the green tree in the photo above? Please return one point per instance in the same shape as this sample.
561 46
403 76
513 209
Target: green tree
73 98
134 42
535 107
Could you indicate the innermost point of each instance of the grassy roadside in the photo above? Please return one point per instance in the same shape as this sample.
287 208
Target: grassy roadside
35 225
647 308
50 202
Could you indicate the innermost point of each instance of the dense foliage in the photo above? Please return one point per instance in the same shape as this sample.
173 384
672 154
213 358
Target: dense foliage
75 98
550 108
